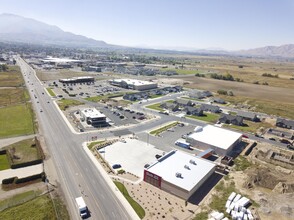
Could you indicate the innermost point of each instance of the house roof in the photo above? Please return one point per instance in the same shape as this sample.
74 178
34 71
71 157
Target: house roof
244 114
231 117
192 109
183 101
208 107
286 122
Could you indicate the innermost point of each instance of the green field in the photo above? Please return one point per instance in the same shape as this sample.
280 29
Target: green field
138 209
66 103
155 106
24 151
164 128
16 120
4 164
12 77
105 97
12 96
39 208
18 199
250 126
50 91
208 117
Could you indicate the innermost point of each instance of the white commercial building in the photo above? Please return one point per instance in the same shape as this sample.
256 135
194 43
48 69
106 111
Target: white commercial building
133 84
179 173
222 141
93 116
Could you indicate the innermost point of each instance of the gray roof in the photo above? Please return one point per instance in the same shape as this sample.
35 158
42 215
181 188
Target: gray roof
286 122
207 107
251 115
183 101
227 117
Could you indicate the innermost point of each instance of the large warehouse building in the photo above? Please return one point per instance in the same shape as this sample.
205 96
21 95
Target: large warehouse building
80 79
222 141
179 173
133 84
93 116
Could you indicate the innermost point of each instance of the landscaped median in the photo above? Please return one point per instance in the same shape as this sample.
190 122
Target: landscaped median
164 128
138 209
50 91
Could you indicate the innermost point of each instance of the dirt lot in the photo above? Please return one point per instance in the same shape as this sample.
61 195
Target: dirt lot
269 185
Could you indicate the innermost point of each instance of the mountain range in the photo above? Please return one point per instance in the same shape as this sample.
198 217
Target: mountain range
14 28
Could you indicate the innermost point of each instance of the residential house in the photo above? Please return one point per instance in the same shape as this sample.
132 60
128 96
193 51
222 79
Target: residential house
251 116
218 100
184 102
200 94
194 111
210 108
231 119
170 106
285 123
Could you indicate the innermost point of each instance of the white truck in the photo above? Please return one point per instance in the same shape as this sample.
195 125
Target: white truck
83 210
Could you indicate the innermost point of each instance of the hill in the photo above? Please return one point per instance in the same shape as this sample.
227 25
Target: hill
14 28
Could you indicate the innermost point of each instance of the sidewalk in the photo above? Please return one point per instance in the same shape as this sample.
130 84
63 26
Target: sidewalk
21 172
112 186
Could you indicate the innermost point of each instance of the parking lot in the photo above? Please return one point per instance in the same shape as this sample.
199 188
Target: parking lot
166 140
84 90
132 155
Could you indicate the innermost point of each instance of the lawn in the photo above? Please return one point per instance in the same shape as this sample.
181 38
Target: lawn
50 91
104 97
39 208
4 164
155 106
92 144
250 126
16 120
24 151
208 117
138 209
164 128
66 103
12 96
11 77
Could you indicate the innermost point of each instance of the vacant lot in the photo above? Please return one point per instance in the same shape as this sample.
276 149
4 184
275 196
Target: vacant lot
23 151
16 120
11 78
66 103
45 75
4 164
11 96
39 208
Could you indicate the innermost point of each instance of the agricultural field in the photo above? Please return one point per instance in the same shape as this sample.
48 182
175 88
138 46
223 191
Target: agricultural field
16 120
11 78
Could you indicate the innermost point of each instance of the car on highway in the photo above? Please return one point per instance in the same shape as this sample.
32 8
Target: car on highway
157 156
41 110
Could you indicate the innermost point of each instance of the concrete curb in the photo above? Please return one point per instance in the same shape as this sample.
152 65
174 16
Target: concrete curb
113 187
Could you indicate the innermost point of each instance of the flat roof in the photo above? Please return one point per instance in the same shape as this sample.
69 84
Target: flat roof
174 162
92 113
134 82
215 136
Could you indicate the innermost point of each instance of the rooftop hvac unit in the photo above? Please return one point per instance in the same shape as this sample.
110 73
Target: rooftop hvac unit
187 167
193 162
178 175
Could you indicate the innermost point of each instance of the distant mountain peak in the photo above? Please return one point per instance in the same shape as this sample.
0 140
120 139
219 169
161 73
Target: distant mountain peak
15 28
286 50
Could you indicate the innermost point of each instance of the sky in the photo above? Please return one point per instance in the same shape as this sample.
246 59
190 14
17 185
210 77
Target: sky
174 24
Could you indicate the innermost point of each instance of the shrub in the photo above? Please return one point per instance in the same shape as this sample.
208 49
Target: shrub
222 92
121 171
9 180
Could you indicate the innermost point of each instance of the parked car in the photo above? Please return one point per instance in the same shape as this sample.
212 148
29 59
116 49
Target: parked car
116 166
272 139
157 156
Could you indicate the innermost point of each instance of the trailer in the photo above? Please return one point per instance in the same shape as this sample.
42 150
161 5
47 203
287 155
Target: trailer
82 207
